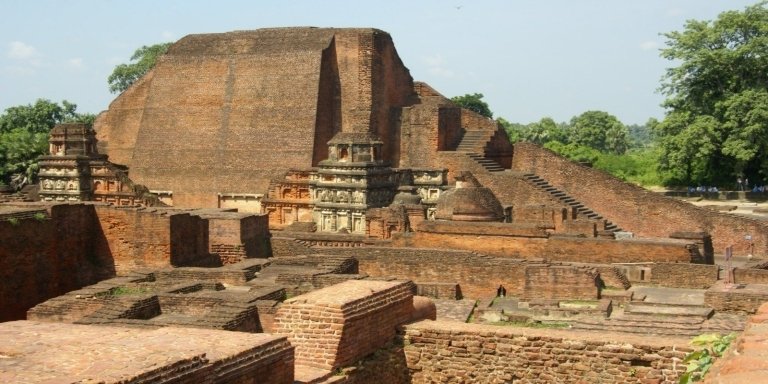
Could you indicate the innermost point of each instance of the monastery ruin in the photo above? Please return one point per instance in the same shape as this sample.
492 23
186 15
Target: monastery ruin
289 206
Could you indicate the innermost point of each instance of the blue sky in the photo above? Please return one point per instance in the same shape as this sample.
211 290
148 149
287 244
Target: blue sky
530 59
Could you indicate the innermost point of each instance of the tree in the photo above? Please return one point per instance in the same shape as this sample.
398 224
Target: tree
546 130
124 75
601 131
473 102
716 125
38 117
24 134
514 130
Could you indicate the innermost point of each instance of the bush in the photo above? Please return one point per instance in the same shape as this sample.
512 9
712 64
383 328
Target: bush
712 345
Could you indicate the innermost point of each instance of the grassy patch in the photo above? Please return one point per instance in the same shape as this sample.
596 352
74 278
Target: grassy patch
125 291
532 324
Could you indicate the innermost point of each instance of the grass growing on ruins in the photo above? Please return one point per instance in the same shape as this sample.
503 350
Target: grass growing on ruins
124 291
13 221
532 324
40 216
711 346
579 303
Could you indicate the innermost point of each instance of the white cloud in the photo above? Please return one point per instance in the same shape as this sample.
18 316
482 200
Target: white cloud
27 57
115 60
436 66
441 72
15 70
648 45
21 51
76 63
673 12
169 36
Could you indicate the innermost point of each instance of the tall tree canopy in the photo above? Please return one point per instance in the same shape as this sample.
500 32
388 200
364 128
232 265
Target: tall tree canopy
144 59
24 133
473 102
544 131
716 126
601 131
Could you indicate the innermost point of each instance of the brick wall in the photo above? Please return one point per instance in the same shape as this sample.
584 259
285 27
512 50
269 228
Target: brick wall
558 282
288 246
635 209
438 351
137 238
683 275
437 290
338 325
45 258
237 236
744 299
750 276
478 276
425 129
489 239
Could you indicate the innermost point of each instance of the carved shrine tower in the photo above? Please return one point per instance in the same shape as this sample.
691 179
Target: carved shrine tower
75 171
65 173
352 179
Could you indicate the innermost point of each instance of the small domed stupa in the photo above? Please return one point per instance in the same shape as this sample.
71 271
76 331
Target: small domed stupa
469 201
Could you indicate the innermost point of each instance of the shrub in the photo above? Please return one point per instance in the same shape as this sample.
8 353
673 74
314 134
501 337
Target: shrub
711 346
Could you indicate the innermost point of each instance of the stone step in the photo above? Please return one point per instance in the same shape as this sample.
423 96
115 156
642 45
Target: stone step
654 319
646 309
310 375
635 329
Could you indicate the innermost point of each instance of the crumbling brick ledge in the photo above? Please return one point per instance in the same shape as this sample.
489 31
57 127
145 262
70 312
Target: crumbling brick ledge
747 359
442 351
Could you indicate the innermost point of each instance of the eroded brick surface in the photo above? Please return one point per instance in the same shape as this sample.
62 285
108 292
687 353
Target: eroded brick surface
34 352
337 325
448 351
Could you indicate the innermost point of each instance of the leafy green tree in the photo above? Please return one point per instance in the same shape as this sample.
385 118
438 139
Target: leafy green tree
514 130
716 126
38 117
546 130
473 102
641 136
144 59
24 134
575 152
601 131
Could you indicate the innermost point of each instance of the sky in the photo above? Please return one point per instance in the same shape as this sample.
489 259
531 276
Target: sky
530 59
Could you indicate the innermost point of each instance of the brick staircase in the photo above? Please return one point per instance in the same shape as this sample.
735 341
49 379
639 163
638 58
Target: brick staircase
473 145
568 200
488 164
24 195
474 141
39 214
